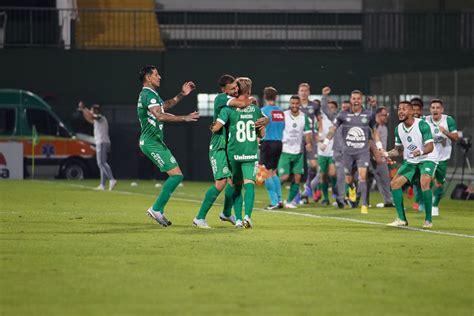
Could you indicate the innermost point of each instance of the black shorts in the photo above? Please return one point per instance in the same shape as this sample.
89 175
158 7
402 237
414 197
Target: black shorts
270 152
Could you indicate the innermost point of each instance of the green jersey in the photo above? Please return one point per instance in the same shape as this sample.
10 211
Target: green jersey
242 141
151 127
218 140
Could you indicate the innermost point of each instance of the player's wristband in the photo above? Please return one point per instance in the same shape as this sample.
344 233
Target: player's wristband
379 145
326 141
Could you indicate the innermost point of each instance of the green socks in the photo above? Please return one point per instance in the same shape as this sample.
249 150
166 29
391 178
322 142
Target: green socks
168 188
237 199
209 199
228 200
438 194
428 203
293 191
324 188
249 198
397 195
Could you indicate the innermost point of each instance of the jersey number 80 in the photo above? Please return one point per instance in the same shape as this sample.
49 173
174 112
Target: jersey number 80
245 131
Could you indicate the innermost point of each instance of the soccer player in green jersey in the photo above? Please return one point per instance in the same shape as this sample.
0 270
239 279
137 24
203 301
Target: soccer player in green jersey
152 114
444 130
242 150
413 137
218 155
419 205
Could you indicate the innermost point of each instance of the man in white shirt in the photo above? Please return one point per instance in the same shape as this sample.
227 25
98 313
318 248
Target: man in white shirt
102 143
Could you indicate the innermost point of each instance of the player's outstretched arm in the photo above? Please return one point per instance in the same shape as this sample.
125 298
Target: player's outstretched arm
186 89
395 152
242 103
165 117
428 148
86 113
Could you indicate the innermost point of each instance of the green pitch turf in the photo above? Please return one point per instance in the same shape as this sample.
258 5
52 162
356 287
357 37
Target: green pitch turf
68 250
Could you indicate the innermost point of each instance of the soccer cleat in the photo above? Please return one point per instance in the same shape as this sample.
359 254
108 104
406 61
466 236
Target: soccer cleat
427 224
435 211
352 195
230 219
290 205
200 223
112 184
398 223
239 224
324 202
415 206
380 205
340 204
272 207
317 196
280 204
100 188
247 222
158 217
364 209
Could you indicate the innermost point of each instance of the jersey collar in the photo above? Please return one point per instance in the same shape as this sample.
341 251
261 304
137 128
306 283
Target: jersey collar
151 90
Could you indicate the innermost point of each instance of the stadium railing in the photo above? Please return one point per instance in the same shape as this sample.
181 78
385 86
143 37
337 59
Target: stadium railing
149 29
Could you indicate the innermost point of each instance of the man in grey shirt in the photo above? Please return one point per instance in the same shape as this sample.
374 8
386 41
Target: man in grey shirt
381 173
102 143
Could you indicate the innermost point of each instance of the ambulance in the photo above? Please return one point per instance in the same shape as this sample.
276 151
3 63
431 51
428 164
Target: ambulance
58 152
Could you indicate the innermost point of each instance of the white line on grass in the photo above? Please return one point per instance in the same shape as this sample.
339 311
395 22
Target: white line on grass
345 219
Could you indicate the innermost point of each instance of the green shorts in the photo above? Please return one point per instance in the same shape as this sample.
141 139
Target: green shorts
324 162
243 170
219 164
440 173
159 153
408 170
290 164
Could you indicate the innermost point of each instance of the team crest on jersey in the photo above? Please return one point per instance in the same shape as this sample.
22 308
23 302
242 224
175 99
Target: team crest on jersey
153 101
409 138
311 111
295 125
225 170
436 130
172 159
364 120
412 147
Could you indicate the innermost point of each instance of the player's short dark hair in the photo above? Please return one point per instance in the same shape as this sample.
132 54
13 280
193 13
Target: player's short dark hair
437 101
225 80
147 70
380 109
357 92
417 102
346 101
270 93
406 103
333 102
295 96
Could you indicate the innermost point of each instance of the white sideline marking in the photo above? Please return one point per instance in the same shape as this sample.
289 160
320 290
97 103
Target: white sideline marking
345 219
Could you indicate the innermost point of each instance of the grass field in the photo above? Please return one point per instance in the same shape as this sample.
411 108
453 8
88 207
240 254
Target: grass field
68 250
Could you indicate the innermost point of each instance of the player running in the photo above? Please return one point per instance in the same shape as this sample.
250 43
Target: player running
413 136
417 104
358 125
297 125
218 155
444 131
152 114
271 146
242 150
311 110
